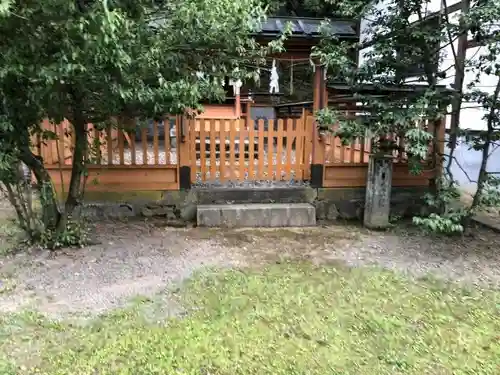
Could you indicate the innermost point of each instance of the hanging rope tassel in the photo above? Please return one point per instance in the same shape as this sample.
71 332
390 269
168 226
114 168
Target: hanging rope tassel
274 81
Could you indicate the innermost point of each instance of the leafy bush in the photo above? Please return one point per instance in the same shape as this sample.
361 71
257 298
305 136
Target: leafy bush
76 234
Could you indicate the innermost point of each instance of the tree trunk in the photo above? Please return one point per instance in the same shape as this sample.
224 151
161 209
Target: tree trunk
77 172
459 57
79 124
51 213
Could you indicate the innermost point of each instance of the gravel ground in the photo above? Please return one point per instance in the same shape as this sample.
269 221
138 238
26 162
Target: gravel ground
143 259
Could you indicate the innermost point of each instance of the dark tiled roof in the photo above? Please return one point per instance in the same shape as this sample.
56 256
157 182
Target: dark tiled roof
307 27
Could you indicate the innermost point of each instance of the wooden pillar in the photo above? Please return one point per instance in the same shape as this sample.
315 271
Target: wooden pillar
237 105
318 147
183 152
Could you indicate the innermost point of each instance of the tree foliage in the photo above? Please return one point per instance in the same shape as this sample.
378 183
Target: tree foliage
398 36
90 61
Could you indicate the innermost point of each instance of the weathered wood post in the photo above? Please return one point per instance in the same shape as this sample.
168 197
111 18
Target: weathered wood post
378 191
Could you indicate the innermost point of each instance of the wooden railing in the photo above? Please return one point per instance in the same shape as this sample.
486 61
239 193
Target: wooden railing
151 145
229 149
150 156
346 165
142 158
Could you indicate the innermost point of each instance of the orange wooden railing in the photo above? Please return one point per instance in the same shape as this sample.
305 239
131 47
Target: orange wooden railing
117 160
112 146
216 149
239 149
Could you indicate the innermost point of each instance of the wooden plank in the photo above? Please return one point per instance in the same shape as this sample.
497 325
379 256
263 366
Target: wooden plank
309 123
213 157
251 149
354 175
167 140
299 149
194 156
242 151
232 150
222 152
47 145
291 136
117 178
98 146
342 151
132 148
156 154
144 139
260 135
61 140
353 146
203 160
270 150
362 150
279 152
109 144
121 147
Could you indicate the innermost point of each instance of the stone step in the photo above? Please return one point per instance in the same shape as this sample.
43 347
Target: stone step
255 194
267 215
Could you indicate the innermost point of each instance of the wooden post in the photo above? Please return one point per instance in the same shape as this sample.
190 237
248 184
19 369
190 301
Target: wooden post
237 105
183 154
318 148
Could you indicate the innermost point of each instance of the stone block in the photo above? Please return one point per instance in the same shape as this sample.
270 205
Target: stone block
271 215
289 194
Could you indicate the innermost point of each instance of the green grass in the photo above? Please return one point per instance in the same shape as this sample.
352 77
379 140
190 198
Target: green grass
285 319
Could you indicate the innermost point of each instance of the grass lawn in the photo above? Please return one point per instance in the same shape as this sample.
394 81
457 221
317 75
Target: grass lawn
289 318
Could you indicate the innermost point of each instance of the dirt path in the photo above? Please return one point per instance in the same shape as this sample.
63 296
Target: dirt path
144 259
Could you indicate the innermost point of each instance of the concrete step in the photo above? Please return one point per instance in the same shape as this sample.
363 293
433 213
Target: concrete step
267 215
274 194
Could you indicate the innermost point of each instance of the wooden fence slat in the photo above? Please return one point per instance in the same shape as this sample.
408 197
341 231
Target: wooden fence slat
193 136
144 139
279 152
222 151
61 141
299 140
291 136
203 160
121 146
241 163
270 149
132 148
97 144
260 135
342 151
353 147
251 149
155 143
213 155
232 149
167 140
109 144
308 129
362 150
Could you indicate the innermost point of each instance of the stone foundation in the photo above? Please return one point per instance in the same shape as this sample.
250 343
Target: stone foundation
348 204
331 204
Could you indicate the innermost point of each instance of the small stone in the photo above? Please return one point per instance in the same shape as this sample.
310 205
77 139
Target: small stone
147 212
175 223
161 211
153 205
188 212
332 213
